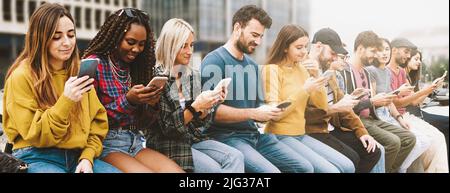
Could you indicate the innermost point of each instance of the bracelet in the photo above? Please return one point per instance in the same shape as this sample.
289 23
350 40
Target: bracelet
195 113
396 117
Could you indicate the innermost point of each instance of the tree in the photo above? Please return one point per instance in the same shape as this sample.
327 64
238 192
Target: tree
438 67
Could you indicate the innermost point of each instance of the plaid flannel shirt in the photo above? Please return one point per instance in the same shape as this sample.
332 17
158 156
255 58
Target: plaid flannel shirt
172 137
112 94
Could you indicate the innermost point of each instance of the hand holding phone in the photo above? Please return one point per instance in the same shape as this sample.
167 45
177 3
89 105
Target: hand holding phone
440 79
223 84
395 92
284 105
158 82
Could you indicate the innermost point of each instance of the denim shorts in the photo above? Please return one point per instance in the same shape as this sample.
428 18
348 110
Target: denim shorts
124 141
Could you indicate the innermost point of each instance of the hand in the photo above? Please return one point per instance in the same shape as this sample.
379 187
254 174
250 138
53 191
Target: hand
369 143
403 123
223 93
84 166
405 89
382 99
312 66
74 87
153 101
266 113
207 99
346 104
314 84
140 94
359 91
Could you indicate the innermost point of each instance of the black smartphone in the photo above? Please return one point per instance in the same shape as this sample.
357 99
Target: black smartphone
88 67
284 105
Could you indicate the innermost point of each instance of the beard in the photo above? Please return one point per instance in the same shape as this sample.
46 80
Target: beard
400 62
366 62
245 47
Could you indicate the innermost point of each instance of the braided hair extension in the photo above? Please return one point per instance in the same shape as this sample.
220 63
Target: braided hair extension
110 36
108 40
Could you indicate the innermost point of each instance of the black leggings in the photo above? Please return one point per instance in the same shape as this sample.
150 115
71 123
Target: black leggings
347 144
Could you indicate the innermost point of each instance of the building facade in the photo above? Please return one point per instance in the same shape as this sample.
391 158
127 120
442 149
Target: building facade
212 19
89 15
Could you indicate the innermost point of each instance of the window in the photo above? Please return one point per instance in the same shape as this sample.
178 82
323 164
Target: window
7 10
78 17
107 14
116 2
98 19
31 7
20 11
133 3
125 3
87 18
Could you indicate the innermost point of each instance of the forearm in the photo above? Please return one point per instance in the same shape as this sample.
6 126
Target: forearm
413 98
227 114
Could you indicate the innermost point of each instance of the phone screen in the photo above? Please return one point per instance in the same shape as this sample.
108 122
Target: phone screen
88 67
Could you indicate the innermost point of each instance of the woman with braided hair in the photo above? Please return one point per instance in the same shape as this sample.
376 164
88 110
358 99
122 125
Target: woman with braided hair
125 48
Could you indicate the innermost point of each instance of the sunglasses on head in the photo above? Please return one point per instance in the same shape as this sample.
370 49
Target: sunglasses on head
130 14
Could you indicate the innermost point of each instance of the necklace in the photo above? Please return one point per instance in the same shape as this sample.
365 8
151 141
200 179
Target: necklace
123 78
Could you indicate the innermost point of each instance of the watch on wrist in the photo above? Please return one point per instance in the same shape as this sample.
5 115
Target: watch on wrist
195 113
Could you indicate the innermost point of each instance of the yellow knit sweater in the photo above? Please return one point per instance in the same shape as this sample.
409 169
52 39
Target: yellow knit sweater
282 83
25 124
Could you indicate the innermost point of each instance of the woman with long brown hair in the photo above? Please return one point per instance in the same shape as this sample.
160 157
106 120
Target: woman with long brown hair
125 48
54 119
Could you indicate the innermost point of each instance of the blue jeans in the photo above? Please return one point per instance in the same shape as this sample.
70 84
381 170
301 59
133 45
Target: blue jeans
263 153
211 156
124 141
55 160
381 165
324 158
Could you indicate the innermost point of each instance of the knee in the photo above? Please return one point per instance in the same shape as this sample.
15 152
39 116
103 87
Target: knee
347 167
393 144
408 140
235 156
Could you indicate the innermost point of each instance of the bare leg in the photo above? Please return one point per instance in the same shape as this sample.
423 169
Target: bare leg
126 163
158 162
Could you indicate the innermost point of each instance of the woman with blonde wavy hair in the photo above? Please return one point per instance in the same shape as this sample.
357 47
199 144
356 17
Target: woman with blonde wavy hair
53 119
184 109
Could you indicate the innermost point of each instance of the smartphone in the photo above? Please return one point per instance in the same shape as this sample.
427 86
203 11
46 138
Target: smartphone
327 74
396 92
88 67
360 96
223 83
158 81
440 78
284 105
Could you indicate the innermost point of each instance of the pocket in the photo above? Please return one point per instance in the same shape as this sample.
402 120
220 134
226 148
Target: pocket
19 153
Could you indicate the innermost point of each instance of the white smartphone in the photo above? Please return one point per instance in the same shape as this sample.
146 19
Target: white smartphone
440 78
223 83
158 81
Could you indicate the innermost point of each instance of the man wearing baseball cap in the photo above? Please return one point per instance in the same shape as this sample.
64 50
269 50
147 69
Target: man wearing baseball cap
327 46
344 132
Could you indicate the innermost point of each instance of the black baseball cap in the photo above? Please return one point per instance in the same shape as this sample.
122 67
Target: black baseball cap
330 37
402 42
